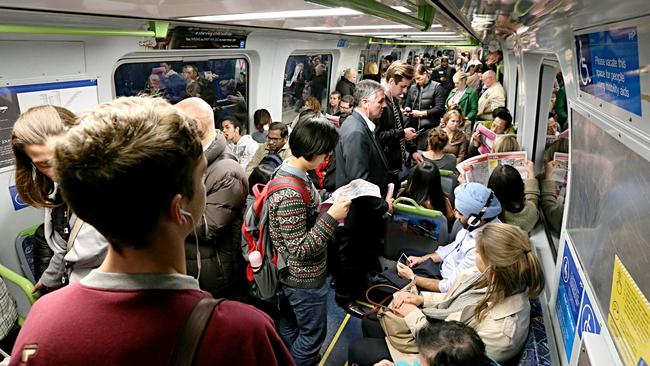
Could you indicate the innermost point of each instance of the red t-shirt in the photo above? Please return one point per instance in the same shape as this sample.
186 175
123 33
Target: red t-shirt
79 325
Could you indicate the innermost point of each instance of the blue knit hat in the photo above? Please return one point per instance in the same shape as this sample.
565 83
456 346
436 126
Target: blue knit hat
471 197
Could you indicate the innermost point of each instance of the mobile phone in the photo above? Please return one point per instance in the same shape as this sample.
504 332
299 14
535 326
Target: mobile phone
404 259
418 132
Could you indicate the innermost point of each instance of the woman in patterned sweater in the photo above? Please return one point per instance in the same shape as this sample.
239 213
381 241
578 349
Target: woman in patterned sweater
301 235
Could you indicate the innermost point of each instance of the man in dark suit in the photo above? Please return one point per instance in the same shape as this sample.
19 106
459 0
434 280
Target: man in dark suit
359 155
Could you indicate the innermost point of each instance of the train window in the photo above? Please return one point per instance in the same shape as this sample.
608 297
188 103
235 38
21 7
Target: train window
305 76
222 83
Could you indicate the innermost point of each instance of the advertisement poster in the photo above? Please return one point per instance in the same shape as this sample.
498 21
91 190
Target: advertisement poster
77 96
629 318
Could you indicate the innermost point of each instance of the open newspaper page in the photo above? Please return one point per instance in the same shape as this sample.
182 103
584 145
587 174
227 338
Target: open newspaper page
478 169
552 138
355 189
334 119
560 175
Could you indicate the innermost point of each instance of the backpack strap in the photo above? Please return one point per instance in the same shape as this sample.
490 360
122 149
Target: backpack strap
297 185
185 349
73 233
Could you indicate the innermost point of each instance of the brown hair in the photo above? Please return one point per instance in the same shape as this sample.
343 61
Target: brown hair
314 105
437 140
449 113
421 69
371 68
35 127
399 70
512 267
122 165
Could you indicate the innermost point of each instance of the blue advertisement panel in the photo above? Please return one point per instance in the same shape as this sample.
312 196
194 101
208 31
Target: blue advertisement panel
608 67
588 321
569 295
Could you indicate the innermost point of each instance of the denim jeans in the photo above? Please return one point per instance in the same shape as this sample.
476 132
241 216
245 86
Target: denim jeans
303 322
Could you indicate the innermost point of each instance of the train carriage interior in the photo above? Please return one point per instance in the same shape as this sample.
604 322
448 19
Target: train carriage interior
575 76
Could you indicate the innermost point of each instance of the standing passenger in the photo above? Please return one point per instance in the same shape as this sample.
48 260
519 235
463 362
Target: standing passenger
425 104
262 120
243 146
277 144
222 266
146 160
492 98
359 155
301 236
347 84
33 140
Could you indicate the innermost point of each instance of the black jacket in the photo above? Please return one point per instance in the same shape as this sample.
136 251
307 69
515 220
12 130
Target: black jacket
430 98
345 87
389 136
448 73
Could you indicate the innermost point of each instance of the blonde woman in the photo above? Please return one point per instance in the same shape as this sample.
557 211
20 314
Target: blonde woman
452 124
371 71
505 144
493 297
463 96
33 140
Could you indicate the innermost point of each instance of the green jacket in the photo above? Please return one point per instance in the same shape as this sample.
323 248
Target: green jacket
561 107
468 103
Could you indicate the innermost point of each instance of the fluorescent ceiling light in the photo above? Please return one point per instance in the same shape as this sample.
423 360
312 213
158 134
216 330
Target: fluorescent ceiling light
401 9
287 14
276 15
436 37
401 33
355 27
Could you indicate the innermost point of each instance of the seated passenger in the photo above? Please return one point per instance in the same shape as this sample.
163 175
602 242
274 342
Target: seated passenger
8 318
77 246
493 297
553 208
276 144
438 140
505 144
423 186
346 106
501 123
301 237
334 101
518 197
448 343
452 124
262 120
243 146
476 206
222 265
145 158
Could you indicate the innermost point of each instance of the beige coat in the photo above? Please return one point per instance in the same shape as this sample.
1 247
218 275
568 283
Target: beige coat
490 100
503 329
262 151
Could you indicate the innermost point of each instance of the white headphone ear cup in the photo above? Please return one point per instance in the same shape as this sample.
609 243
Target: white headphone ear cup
186 213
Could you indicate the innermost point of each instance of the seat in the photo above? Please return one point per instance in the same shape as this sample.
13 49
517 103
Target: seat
449 182
25 251
21 282
414 227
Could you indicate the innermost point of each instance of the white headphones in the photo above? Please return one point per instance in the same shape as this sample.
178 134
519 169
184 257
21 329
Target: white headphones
186 213
196 241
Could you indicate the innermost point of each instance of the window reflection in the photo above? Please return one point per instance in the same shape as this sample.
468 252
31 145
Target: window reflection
222 83
305 76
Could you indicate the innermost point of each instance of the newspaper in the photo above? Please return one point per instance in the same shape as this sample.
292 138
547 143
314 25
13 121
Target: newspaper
487 139
552 138
479 168
355 189
334 119
560 175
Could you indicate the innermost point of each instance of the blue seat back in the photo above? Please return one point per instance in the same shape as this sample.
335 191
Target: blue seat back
25 250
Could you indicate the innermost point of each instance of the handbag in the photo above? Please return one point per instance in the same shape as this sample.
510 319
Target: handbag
397 332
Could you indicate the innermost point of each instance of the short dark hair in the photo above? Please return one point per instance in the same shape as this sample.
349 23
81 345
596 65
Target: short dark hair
261 116
279 126
437 140
348 99
451 343
506 183
504 114
236 123
335 92
314 136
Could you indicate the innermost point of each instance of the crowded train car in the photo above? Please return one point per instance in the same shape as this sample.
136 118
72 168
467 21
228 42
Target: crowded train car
325 182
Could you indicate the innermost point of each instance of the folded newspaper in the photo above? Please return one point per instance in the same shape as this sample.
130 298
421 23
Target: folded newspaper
487 139
479 168
355 189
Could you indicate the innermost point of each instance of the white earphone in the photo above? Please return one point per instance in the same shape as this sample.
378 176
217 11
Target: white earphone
196 240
